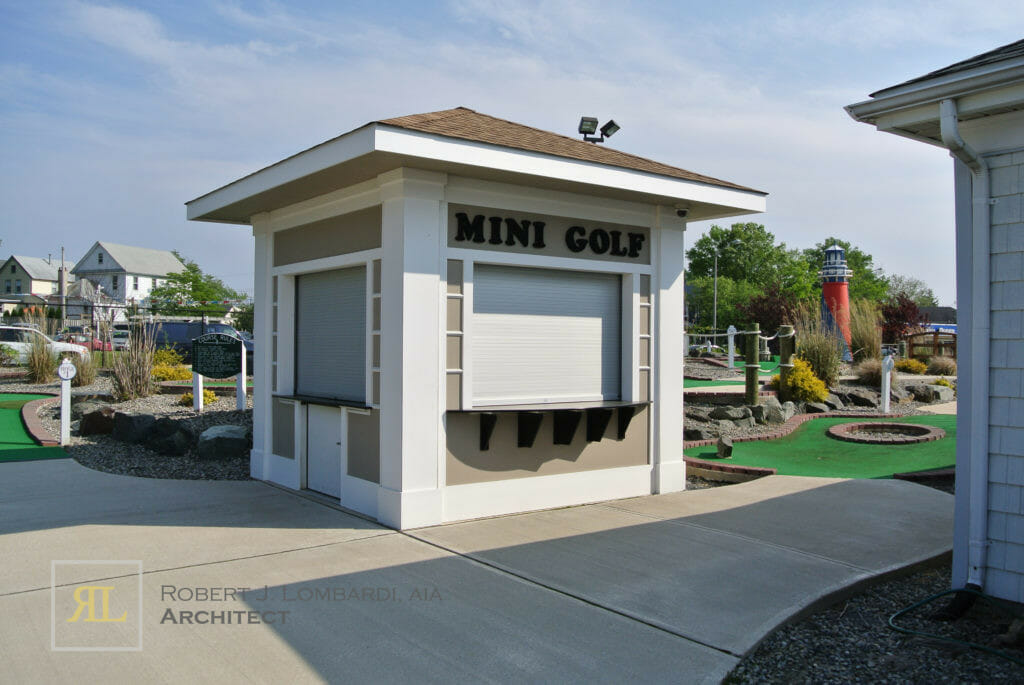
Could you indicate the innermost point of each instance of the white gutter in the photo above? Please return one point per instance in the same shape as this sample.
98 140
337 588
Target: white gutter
979 323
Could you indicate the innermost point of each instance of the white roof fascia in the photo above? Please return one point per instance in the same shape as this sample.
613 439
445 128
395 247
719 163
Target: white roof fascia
471 153
957 85
319 158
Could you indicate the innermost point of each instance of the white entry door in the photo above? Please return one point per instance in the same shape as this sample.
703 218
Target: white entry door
323 449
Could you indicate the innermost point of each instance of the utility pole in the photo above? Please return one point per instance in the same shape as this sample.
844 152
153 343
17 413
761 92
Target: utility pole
62 284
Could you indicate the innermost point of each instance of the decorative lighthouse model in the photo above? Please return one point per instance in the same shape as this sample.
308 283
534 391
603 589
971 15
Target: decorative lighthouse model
835 297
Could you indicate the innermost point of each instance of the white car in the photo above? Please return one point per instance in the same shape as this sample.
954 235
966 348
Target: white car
120 339
19 338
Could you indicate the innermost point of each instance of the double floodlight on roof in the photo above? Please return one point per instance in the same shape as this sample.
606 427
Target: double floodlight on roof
588 126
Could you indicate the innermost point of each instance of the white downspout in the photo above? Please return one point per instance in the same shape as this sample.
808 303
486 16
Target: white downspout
980 318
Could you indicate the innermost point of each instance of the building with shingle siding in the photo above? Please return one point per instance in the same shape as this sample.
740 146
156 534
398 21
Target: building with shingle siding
975 109
126 273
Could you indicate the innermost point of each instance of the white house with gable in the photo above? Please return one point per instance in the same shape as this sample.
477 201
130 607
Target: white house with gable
124 272
975 109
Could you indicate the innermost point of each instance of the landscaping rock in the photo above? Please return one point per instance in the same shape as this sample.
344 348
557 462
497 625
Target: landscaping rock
696 413
816 408
223 442
164 427
773 411
747 422
860 397
788 410
932 393
757 412
132 427
897 394
724 447
176 444
833 402
725 425
97 422
730 413
697 434
80 409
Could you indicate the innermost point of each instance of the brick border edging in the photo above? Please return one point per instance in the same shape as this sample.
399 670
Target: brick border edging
756 471
30 419
928 434
791 425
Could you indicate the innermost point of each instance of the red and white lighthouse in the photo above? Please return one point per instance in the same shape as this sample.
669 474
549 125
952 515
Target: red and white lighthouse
835 297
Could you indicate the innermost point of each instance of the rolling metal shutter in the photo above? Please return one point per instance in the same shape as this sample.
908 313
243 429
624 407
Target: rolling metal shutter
330 334
545 336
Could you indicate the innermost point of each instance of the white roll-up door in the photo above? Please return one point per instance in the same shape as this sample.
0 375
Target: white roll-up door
330 334
541 335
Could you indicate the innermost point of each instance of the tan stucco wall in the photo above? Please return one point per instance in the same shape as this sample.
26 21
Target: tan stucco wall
338 235
466 463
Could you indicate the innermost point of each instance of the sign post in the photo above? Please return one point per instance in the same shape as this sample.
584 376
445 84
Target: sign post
217 355
66 371
887 366
732 345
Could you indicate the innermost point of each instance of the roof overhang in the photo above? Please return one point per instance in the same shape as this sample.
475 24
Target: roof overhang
912 110
374 149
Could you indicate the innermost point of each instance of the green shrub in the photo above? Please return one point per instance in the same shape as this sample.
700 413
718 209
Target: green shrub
85 371
911 366
8 357
942 366
209 397
166 372
167 356
869 372
803 385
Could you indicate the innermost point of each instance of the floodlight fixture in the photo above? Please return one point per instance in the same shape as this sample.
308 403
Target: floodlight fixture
588 127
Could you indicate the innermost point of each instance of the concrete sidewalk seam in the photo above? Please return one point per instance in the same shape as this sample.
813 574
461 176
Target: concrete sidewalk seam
494 566
375 534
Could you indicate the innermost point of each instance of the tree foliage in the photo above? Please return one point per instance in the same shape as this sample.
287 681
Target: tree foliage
746 252
191 289
900 315
913 288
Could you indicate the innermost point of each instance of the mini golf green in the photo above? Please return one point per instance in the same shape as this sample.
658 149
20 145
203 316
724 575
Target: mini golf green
697 383
15 442
771 366
808 451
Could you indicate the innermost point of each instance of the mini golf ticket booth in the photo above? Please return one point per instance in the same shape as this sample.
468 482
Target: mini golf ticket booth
458 316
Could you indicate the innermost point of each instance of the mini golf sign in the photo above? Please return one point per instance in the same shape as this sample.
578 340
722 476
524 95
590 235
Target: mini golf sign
217 355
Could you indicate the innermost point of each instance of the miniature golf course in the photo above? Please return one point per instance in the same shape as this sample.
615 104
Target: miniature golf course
808 451
697 383
15 443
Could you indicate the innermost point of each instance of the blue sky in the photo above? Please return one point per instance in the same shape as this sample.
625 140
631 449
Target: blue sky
112 115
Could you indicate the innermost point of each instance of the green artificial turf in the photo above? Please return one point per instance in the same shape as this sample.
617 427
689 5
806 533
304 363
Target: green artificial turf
15 442
695 383
808 451
766 367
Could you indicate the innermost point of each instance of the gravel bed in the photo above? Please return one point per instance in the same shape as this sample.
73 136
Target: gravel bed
852 641
103 453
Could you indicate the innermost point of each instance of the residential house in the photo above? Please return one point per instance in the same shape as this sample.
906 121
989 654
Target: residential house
29 275
126 273
975 109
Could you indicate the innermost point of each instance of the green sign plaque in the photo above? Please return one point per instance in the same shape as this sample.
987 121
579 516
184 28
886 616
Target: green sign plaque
217 355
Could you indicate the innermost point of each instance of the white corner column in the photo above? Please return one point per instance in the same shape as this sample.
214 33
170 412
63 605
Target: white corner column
669 473
261 390
413 233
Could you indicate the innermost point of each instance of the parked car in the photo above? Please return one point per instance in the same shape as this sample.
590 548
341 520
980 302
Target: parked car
97 345
120 339
20 338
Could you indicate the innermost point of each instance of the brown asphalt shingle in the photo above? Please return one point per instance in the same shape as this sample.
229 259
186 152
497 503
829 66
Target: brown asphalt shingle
470 125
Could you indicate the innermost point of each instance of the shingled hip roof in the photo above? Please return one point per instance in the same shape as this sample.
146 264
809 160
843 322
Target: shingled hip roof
468 124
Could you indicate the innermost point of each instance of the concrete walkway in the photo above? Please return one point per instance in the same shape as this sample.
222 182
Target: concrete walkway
671 587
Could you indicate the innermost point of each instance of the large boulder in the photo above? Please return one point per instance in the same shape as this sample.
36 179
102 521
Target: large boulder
97 422
132 427
833 402
788 410
724 447
730 413
860 397
932 393
80 408
697 434
747 422
816 408
223 442
175 444
898 394
757 412
774 412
